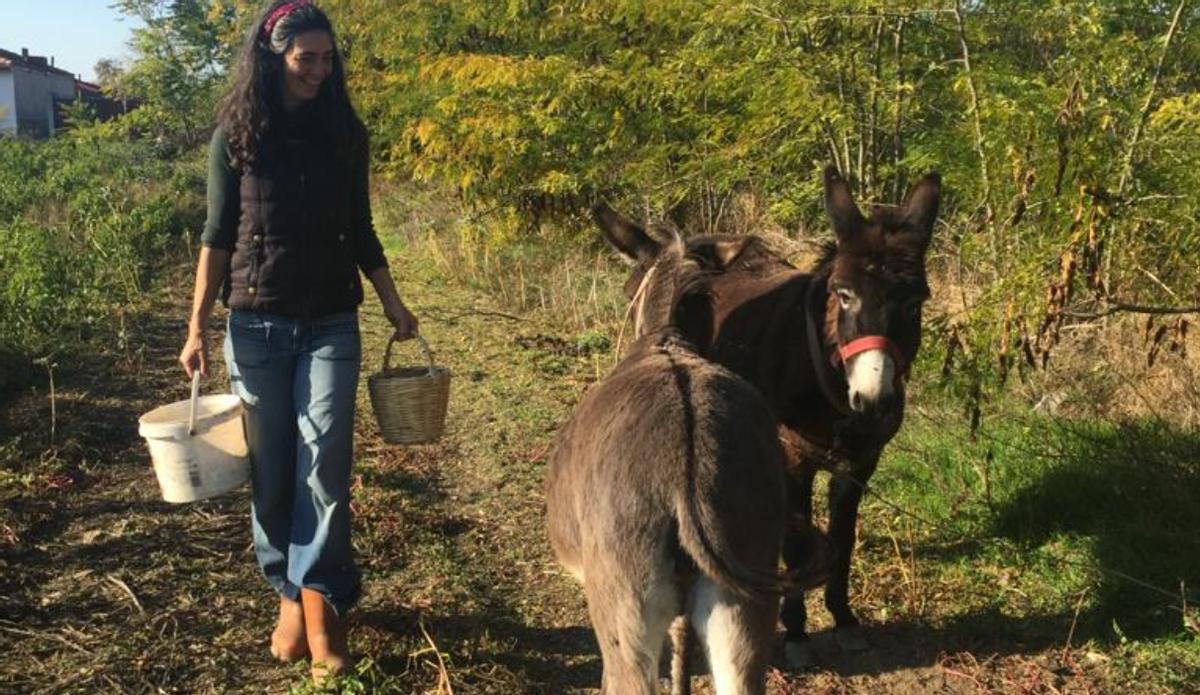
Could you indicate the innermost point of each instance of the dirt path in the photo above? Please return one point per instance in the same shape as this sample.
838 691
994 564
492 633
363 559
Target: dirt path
105 589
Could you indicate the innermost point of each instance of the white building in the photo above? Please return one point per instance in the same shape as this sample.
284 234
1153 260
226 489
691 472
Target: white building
30 89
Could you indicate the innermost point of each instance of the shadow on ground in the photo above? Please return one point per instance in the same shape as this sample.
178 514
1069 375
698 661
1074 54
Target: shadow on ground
541 658
1112 505
1129 491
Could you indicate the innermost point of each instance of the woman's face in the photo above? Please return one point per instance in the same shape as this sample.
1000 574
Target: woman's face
306 65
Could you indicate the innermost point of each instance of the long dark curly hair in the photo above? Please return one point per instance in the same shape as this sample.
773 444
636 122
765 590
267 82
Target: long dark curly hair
254 105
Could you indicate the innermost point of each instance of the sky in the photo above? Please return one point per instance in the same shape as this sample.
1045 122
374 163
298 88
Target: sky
76 32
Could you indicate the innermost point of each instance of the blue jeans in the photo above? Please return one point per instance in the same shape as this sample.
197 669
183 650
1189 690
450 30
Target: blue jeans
297 380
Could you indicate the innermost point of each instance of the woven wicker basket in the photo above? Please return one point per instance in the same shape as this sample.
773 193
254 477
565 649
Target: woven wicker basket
410 402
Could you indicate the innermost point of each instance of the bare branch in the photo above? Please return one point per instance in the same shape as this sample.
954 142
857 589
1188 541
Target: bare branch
966 60
1127 166
1112 307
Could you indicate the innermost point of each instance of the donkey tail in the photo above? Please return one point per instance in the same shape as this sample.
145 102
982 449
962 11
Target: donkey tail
703 524
702 538
681 683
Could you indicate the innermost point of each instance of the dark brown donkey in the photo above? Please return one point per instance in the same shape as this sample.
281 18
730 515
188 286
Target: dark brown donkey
666 497
829 349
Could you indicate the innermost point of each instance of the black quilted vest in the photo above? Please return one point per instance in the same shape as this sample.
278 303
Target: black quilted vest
294 252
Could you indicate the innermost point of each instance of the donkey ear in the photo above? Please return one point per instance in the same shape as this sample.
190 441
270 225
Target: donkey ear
728 250
625 235
719 254
921 208
839 204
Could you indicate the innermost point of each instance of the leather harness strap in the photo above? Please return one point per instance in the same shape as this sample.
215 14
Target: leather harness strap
872 342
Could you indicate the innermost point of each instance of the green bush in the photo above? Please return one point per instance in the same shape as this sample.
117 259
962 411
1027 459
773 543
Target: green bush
86 220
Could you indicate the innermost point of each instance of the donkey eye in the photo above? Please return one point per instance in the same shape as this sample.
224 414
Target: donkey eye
845 297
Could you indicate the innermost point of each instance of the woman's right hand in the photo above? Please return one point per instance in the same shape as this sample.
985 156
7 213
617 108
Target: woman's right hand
194 354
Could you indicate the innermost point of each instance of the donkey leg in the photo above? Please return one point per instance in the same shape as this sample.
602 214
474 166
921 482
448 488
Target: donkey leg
631 611
794 614
844 497
737 634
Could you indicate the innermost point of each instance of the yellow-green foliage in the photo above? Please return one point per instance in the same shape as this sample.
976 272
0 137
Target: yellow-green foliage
681 106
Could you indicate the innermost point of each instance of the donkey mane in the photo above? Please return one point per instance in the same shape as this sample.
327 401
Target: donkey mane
746 253
824 261
692 307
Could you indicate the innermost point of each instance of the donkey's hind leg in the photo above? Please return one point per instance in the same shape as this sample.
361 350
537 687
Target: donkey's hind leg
631 610
737 634
797 553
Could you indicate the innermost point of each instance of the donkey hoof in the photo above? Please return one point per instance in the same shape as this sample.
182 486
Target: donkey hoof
799 655
851 638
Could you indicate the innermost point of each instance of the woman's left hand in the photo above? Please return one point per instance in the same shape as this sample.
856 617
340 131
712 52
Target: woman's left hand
393 308
402 320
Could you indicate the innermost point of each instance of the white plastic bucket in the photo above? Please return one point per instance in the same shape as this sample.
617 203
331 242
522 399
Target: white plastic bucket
198 446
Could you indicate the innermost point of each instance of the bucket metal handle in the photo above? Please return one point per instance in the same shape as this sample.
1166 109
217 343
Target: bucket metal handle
387 354
195 397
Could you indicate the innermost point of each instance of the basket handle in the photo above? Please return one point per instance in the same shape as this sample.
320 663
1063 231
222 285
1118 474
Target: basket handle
387 354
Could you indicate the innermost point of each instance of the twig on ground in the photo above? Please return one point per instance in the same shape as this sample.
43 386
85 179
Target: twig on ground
45 636
1074 621
497 314
960 674
128 592
443 674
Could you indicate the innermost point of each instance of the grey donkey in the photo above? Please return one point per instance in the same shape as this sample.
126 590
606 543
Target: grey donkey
666 498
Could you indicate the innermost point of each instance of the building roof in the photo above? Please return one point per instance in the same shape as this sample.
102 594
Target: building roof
8 60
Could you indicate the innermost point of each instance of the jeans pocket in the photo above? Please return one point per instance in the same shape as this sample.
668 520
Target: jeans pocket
249 339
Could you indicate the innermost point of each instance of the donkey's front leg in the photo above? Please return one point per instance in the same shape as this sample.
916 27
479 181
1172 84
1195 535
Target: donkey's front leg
845 493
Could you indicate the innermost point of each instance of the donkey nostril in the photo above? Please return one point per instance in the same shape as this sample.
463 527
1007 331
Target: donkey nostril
856 402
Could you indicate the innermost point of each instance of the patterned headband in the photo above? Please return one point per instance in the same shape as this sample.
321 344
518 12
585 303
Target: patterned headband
279 13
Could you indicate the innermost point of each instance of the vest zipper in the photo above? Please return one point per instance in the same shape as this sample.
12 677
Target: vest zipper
307 239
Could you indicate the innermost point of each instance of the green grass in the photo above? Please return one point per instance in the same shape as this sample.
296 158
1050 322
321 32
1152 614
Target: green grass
1041 528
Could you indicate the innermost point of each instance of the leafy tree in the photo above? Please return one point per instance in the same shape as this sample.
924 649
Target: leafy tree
108 75
1065 130
180 57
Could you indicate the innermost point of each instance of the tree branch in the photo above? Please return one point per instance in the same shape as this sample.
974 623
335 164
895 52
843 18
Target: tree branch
1127 166
966 60
897 136
1116 307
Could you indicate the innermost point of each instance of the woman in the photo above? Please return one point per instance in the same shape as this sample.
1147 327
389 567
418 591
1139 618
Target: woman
289 227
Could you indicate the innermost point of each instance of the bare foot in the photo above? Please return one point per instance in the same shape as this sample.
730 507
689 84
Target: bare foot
288 641
327 638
